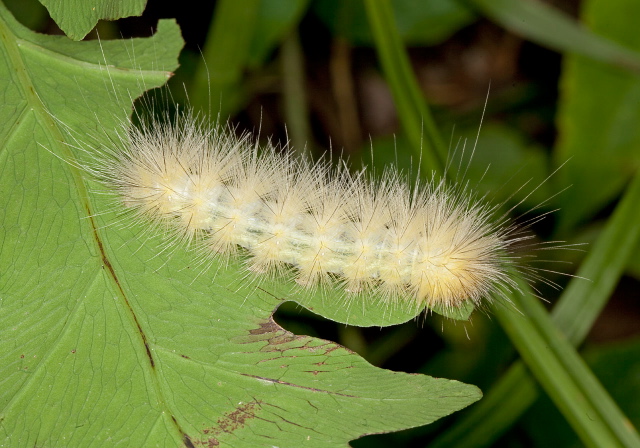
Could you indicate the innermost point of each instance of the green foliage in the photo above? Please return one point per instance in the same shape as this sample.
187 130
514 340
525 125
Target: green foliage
575 313
107 342
413 111
242 36
77 17
618 366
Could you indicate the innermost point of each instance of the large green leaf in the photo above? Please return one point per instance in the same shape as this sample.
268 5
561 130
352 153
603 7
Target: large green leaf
603 156
107 341
77 17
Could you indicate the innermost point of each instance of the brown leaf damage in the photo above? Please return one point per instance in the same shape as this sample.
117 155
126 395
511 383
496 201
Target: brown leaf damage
280 340
230 422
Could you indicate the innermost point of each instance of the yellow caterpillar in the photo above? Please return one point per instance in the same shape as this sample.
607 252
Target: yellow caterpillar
423 245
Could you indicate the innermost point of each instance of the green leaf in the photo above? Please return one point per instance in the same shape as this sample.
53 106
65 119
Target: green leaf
598 117
107 340
77 17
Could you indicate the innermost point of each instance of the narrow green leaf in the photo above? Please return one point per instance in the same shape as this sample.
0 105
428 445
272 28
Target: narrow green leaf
574 315
241 37
564 375
583 300
296 109
617 365
550 27
77 17
216 85
413 111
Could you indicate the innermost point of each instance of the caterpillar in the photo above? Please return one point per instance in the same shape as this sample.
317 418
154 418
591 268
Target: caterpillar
415 245
421 245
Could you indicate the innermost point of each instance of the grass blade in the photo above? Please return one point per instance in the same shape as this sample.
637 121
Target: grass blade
574 315
414 114
225 56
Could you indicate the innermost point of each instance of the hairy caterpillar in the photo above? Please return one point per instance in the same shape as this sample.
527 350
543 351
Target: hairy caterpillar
413 245
424 245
